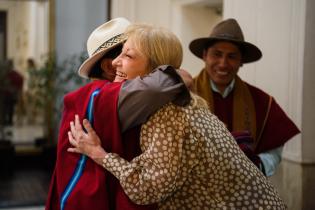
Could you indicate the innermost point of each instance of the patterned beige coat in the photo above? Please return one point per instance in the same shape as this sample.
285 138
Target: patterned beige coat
191 161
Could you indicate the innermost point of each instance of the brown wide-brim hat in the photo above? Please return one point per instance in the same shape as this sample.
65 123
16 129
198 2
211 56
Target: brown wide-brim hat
227 30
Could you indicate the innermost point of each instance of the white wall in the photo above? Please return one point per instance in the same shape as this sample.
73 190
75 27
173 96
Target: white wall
27 30
194 21
308 116
38 27
16 31
278 28
75 20
188 19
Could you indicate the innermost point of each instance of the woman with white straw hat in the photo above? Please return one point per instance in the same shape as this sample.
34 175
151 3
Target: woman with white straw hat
189 159
114 108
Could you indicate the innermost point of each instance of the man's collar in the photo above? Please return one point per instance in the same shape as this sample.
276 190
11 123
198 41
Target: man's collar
227 90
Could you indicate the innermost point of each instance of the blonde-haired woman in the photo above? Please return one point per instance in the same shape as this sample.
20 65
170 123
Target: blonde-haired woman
189 159
151 46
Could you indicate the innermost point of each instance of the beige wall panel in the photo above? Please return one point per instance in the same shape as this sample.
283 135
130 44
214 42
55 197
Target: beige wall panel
277 27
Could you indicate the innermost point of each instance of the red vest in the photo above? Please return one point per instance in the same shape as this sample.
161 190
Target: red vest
96 188
279 128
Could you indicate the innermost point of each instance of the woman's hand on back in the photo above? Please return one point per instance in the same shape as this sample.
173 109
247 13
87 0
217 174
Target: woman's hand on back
187 78
87 143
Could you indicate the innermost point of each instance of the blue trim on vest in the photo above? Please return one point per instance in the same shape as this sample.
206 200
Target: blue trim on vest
82 161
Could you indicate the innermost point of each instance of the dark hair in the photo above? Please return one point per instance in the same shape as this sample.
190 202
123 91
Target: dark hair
96 71
113 53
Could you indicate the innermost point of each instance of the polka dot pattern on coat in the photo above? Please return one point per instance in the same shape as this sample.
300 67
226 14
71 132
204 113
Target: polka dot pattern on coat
191 161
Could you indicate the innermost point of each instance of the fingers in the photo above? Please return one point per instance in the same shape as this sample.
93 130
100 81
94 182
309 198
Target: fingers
72 129
71 150
76 128
82 140
74 150
77 123
91 134
88 127
74 143
77 136
78 145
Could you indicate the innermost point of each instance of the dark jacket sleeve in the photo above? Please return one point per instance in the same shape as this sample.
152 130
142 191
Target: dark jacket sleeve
141 97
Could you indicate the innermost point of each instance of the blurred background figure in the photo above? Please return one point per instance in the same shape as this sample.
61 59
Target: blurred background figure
11 91
31 64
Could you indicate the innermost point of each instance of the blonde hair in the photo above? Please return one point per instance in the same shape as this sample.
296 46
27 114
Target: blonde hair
197 101
159 45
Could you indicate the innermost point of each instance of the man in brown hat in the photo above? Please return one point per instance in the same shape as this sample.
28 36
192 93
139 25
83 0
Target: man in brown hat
258 123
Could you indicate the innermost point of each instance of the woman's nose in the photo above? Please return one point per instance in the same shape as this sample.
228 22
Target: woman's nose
115 62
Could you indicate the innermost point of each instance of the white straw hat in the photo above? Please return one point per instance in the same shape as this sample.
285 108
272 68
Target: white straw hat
104 38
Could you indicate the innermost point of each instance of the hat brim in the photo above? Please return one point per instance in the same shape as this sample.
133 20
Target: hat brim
250 52
88 64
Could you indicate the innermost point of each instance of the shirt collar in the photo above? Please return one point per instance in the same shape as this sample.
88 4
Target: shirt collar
227 90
